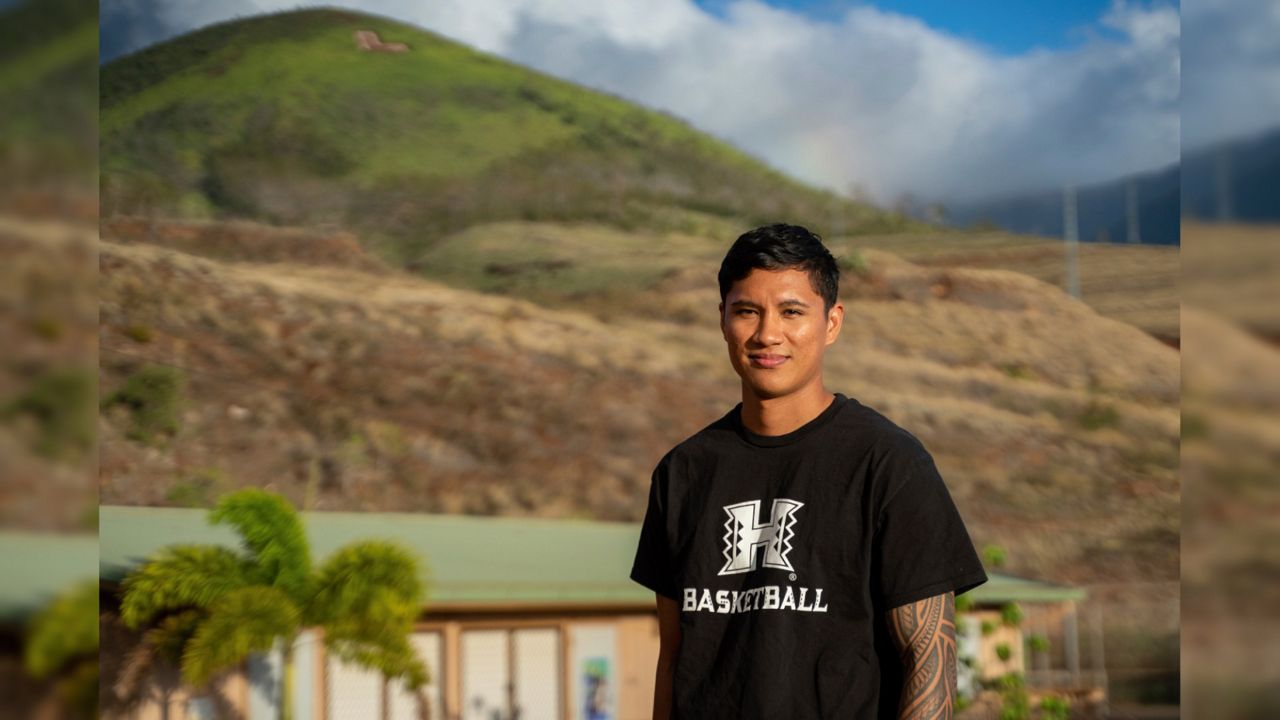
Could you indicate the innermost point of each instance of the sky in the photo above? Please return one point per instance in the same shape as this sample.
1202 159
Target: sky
1232 88
942 100
1004 26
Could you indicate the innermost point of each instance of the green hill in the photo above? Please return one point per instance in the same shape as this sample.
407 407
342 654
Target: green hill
281 118
48 128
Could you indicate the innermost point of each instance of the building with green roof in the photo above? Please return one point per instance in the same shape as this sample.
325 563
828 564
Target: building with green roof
521 612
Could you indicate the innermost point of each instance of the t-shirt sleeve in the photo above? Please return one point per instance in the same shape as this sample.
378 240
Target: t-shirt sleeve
653 567
921 546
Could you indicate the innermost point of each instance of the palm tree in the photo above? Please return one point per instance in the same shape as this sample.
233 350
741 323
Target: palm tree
62 644
212 606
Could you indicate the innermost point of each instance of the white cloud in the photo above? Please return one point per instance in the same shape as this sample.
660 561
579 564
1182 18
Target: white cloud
1232 84
873 99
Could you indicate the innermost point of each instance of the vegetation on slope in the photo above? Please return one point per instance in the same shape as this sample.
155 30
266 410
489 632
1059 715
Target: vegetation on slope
281 118
48 130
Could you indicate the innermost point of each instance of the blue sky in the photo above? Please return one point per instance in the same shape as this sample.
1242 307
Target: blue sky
1005 26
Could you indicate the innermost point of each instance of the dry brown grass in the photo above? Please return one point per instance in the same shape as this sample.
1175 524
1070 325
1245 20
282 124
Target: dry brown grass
48 310
1137 285
1234 270
1043 414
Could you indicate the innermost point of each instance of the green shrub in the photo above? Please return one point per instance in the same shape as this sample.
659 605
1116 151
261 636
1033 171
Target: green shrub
1098 415
853 262
1014 703
1017 371
60 401
1011 614
988 627
1039 643
47 328
138 333
1004 652
1194 427
994 555
197 489
1055 707
62 645
153 396
964 603
1010 681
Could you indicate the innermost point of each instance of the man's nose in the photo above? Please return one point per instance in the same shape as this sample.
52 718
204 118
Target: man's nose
767 329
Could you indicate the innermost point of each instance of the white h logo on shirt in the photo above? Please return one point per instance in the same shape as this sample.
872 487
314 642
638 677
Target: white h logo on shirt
743 533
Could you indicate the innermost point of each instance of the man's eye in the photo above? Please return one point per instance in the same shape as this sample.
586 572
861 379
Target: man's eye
745 311
797 312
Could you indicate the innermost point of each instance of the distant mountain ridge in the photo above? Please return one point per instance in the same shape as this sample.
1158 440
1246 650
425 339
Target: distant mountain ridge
1236 181
1101 210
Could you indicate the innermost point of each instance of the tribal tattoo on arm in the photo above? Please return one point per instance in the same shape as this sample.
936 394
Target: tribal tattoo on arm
925 635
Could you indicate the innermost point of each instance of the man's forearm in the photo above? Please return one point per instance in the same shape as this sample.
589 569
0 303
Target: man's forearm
662 689
925 634
668 650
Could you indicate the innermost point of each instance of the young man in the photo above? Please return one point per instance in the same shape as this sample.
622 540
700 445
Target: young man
804 549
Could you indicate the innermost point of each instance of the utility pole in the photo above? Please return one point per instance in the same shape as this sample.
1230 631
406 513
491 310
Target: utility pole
1071 234
1134 234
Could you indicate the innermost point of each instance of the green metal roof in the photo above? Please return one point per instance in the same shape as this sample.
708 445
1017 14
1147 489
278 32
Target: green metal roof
470 560
1000 589
36 567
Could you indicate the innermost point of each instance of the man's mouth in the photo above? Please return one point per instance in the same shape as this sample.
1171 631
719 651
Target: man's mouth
766 360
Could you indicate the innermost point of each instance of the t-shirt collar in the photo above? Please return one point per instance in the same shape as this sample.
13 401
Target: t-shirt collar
788 438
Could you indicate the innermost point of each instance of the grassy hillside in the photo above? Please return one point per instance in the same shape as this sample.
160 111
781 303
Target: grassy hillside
282 119
48 128
1229 459
489 176
48 381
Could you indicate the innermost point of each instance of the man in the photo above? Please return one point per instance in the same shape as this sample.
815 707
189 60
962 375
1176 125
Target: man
804 549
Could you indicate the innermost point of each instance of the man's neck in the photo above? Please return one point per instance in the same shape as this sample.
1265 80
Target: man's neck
781 415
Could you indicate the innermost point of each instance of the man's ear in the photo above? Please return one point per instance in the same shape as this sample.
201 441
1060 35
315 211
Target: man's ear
721 317
835 321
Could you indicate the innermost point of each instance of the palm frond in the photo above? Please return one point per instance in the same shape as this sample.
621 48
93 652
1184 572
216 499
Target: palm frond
181 576
66 630
367 596
244 621
391 657
170 636
383 617
272 532
366 581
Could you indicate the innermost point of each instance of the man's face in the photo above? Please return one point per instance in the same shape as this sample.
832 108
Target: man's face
777 332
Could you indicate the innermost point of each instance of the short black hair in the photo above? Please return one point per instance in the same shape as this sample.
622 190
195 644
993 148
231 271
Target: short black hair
780 247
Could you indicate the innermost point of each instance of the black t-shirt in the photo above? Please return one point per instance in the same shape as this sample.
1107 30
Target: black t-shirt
785 552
